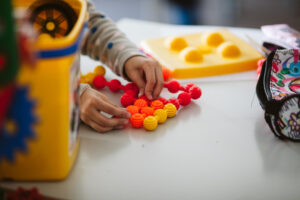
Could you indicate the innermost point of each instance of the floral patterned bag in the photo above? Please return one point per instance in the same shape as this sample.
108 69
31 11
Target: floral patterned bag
278 91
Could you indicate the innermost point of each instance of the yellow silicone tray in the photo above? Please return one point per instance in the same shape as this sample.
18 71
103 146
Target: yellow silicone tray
203 54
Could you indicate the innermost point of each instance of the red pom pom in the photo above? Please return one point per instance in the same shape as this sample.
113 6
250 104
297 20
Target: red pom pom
166 73
114 85
163 100
131 86
22 193
184 98
260 63
127 100
99 82
173 86
131 93
146 99
175 102
195 92
188 86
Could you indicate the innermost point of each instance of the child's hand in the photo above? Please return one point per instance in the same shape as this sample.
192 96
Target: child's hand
92 102
140 69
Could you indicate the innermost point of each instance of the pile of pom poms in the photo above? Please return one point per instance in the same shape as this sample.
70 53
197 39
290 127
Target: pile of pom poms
144 112
89 77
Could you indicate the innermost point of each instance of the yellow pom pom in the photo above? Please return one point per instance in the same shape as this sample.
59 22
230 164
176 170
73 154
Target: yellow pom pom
170 109
83 79
89 77
161 115
99 70
150 123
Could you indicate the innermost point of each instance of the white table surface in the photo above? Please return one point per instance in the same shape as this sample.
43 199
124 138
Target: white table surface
218 147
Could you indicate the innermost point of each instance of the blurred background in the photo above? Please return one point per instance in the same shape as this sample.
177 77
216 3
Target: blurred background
241 13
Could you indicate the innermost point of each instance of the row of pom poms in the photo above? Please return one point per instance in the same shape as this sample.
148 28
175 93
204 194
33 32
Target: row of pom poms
100 71
146 113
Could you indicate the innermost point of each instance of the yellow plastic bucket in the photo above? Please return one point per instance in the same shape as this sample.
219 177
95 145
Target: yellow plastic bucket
51 89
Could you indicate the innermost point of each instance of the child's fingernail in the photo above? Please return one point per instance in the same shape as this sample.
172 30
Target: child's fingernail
127 114
125 122
141 93
119 127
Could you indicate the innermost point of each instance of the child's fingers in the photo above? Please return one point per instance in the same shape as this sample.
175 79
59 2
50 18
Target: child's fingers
159 83
106 99
98 128
141 92
137 78
92 103
107 122
111 109
102 103
150 80
119 127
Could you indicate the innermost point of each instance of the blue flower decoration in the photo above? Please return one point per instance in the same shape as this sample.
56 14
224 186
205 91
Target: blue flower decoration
22 116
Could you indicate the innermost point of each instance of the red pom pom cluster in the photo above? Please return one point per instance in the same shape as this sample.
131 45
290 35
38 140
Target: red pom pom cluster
130 97
189 92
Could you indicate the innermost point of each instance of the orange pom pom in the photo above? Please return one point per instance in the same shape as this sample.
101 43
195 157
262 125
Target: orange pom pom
137 120
133 109
166 73
157 104
148 111
141 103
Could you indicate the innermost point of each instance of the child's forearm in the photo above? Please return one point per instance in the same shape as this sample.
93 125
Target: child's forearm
107 43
